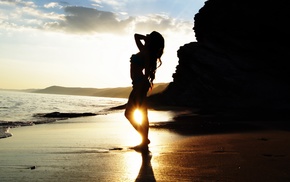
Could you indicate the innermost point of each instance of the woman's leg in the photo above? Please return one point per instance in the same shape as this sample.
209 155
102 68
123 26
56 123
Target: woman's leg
142 129
129 113
145 126
137 99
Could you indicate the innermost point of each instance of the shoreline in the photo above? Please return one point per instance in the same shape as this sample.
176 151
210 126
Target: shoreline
184 121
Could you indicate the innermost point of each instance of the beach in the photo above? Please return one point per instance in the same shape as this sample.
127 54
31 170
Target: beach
96 148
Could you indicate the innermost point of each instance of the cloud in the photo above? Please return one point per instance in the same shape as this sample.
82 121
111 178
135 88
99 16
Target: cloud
117 4
83 20
153 22
18 3
89 20
53 5
161 23
21 15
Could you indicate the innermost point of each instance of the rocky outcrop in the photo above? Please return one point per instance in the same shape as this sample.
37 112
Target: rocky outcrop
240 60
64 115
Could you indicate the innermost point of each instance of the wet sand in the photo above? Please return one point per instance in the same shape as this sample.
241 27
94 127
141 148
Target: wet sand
96 149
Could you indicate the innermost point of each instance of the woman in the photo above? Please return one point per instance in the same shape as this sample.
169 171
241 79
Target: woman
143 68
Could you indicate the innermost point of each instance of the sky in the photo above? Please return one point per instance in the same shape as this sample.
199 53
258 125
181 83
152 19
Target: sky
86 43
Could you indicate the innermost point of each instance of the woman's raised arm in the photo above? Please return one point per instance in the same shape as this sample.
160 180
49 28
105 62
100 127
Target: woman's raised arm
138 38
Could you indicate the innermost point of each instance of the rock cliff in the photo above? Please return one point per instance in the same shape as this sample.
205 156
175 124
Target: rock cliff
240 60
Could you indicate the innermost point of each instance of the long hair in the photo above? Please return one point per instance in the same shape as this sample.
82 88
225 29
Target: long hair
155 47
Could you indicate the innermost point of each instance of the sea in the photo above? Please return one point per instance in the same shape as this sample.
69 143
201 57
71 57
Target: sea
24 108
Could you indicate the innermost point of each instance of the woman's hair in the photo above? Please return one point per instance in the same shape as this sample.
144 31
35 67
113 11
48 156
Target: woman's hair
155 47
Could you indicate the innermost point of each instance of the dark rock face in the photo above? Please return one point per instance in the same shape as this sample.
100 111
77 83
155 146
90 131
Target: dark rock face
241 59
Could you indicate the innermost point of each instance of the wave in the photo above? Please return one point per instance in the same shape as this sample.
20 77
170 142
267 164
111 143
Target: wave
4 132
42 118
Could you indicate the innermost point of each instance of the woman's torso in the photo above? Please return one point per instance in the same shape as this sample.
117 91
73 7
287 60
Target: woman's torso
137 67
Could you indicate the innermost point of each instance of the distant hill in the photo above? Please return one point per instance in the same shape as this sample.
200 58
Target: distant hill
19 90
120 92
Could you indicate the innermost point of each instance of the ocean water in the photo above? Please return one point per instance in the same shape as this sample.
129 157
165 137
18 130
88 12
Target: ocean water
23 108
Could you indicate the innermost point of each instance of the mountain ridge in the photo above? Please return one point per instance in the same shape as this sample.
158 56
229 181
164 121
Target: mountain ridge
119 92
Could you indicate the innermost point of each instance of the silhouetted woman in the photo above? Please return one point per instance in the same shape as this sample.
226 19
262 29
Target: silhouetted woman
143 68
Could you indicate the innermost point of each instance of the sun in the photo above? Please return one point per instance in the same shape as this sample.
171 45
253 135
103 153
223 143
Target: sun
138 116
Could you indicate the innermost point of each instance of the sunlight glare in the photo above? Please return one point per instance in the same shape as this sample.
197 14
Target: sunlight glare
138 116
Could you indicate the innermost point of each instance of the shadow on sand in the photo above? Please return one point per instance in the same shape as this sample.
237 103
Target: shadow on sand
146 173
211 122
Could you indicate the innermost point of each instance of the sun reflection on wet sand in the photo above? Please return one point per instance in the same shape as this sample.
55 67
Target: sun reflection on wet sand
114 131
131 163
125 135
143 167
80 148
